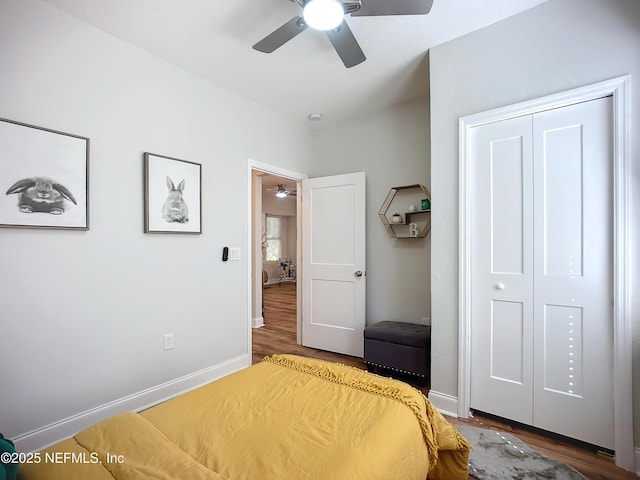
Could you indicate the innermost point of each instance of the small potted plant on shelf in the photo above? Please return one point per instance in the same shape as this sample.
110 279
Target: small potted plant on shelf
396 218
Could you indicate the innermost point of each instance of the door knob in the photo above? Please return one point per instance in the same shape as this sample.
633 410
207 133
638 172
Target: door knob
499 286
358 273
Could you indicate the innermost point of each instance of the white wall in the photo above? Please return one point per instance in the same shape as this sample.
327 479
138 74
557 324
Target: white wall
392 147
560 45
83 313
273 205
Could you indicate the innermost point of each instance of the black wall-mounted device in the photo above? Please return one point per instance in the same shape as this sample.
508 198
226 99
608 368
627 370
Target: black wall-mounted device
225 254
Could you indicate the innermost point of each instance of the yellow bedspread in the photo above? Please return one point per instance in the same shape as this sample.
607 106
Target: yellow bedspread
124 447
287 417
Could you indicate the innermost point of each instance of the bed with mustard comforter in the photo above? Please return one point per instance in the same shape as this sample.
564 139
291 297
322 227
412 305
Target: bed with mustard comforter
286 418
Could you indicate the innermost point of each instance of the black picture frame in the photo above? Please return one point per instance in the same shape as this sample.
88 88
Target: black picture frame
172 195
44 175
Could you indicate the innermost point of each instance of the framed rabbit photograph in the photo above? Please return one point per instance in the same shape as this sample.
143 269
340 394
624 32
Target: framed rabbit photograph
44 175
172 195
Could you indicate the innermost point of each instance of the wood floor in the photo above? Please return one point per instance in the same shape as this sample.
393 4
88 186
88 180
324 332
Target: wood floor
280 307
278 336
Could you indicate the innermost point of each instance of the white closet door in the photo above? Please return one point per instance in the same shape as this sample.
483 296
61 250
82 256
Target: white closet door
541 229
502 271
573 271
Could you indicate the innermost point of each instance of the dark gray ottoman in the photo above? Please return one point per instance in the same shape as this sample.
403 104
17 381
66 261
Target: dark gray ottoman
399 346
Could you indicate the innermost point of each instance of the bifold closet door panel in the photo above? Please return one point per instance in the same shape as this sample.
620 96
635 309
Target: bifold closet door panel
573 345
502 273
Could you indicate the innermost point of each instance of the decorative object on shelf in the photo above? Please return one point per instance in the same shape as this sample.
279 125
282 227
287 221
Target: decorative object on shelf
426 204
45 176
172 206
416 223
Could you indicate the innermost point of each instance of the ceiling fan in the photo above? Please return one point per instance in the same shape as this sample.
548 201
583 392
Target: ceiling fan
282 191
328 15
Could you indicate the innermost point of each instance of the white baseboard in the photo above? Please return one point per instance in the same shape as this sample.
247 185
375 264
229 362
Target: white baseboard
49 434
447 404
257 322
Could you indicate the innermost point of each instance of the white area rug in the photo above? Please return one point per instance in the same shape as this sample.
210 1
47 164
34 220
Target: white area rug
501 456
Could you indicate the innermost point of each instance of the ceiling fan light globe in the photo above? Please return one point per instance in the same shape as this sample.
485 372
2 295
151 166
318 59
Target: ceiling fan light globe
281 192
323 14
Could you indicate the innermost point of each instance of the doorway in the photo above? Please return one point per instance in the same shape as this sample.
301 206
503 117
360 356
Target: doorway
279 254
334 257
281 269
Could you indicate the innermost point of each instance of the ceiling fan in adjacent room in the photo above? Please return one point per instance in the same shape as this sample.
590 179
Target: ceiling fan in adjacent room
282 191
328 15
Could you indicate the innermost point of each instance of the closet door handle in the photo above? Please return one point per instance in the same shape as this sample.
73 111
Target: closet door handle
358 273
499 286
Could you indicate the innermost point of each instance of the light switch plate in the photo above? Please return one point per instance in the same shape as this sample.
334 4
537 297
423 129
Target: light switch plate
169 343
234 253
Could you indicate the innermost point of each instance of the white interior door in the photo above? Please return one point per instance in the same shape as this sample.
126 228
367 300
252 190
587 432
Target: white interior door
542 344
333 280
573 271
502 272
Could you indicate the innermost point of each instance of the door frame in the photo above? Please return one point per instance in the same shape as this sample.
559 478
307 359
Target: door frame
619 88
254 247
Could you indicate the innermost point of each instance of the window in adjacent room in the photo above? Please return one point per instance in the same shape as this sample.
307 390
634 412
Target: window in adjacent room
273 238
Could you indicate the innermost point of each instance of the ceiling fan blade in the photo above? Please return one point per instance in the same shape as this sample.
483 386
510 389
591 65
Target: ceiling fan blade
393 7
281 35
346 45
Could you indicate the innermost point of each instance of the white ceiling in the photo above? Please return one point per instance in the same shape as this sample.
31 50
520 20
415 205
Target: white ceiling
213 38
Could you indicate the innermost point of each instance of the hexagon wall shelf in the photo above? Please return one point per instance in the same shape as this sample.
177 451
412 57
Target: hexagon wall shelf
412 223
